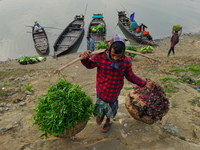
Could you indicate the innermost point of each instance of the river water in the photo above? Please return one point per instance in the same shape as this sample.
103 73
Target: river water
16 17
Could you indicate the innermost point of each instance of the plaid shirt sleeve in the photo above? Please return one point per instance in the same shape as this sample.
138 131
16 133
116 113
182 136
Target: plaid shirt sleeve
130 76
90 63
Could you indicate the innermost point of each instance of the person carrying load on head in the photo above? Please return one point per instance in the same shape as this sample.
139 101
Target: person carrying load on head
176 32
112 66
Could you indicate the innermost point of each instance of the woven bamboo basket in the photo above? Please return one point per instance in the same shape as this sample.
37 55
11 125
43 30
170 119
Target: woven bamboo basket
149 51
72 132
143 52
132 109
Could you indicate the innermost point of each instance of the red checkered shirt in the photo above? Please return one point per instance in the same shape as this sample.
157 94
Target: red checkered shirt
110 81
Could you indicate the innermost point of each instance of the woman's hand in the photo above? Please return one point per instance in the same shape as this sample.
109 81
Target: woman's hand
149 84
86 54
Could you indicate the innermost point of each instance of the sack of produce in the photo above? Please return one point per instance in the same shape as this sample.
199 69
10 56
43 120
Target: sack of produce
137 29
64 110
177 27
147 105
145 32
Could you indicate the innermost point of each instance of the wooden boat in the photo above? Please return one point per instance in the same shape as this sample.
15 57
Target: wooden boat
97 37
40 39
69 36
123 22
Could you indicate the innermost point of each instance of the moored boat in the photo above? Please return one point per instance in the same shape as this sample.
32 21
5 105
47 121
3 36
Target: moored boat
97 29
40 39
123 21
69 36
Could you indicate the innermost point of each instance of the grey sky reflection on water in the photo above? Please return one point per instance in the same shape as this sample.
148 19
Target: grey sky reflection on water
158 15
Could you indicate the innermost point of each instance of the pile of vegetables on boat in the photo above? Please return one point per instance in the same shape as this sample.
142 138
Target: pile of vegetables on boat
151 103
31 60
61 108
132 48
98 29
102 45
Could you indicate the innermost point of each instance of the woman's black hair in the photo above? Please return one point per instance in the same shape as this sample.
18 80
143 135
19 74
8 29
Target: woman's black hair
118 47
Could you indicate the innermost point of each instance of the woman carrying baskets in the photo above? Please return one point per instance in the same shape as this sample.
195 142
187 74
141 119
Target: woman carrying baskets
112 66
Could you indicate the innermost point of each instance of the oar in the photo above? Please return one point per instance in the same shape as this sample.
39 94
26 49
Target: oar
105 13
85 11
46 27
124 9
101 51
77 59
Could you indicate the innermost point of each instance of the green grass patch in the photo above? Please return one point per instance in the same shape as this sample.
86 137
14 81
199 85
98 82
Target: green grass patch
174 105
195 101
170 88
128 88
167 78
3 94
28 87
19 72
149 69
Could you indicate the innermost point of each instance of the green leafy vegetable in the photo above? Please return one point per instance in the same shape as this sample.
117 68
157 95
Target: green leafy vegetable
149 48
93 28
23 60
32 61
143 49
61 107
177 27
36 57
132 48
102 45
100 28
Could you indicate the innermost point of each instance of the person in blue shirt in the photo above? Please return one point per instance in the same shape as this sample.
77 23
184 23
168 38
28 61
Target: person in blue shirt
132 16
91 43
134 25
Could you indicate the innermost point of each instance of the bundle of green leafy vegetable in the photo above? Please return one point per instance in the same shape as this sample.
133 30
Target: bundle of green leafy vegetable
23 59
132 48
31 60
61 107
149 48
100 28
93 28
102 45
143 49
177 27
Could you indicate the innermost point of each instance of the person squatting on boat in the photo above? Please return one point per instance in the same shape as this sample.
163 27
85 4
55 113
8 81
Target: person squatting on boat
134 25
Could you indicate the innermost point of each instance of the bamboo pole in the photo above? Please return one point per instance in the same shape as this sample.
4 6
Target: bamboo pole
98 52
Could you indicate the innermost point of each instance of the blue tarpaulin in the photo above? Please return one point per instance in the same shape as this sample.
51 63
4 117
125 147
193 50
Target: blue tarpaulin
97 17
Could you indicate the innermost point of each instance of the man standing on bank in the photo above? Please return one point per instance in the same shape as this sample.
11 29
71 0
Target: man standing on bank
91 43
112 66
